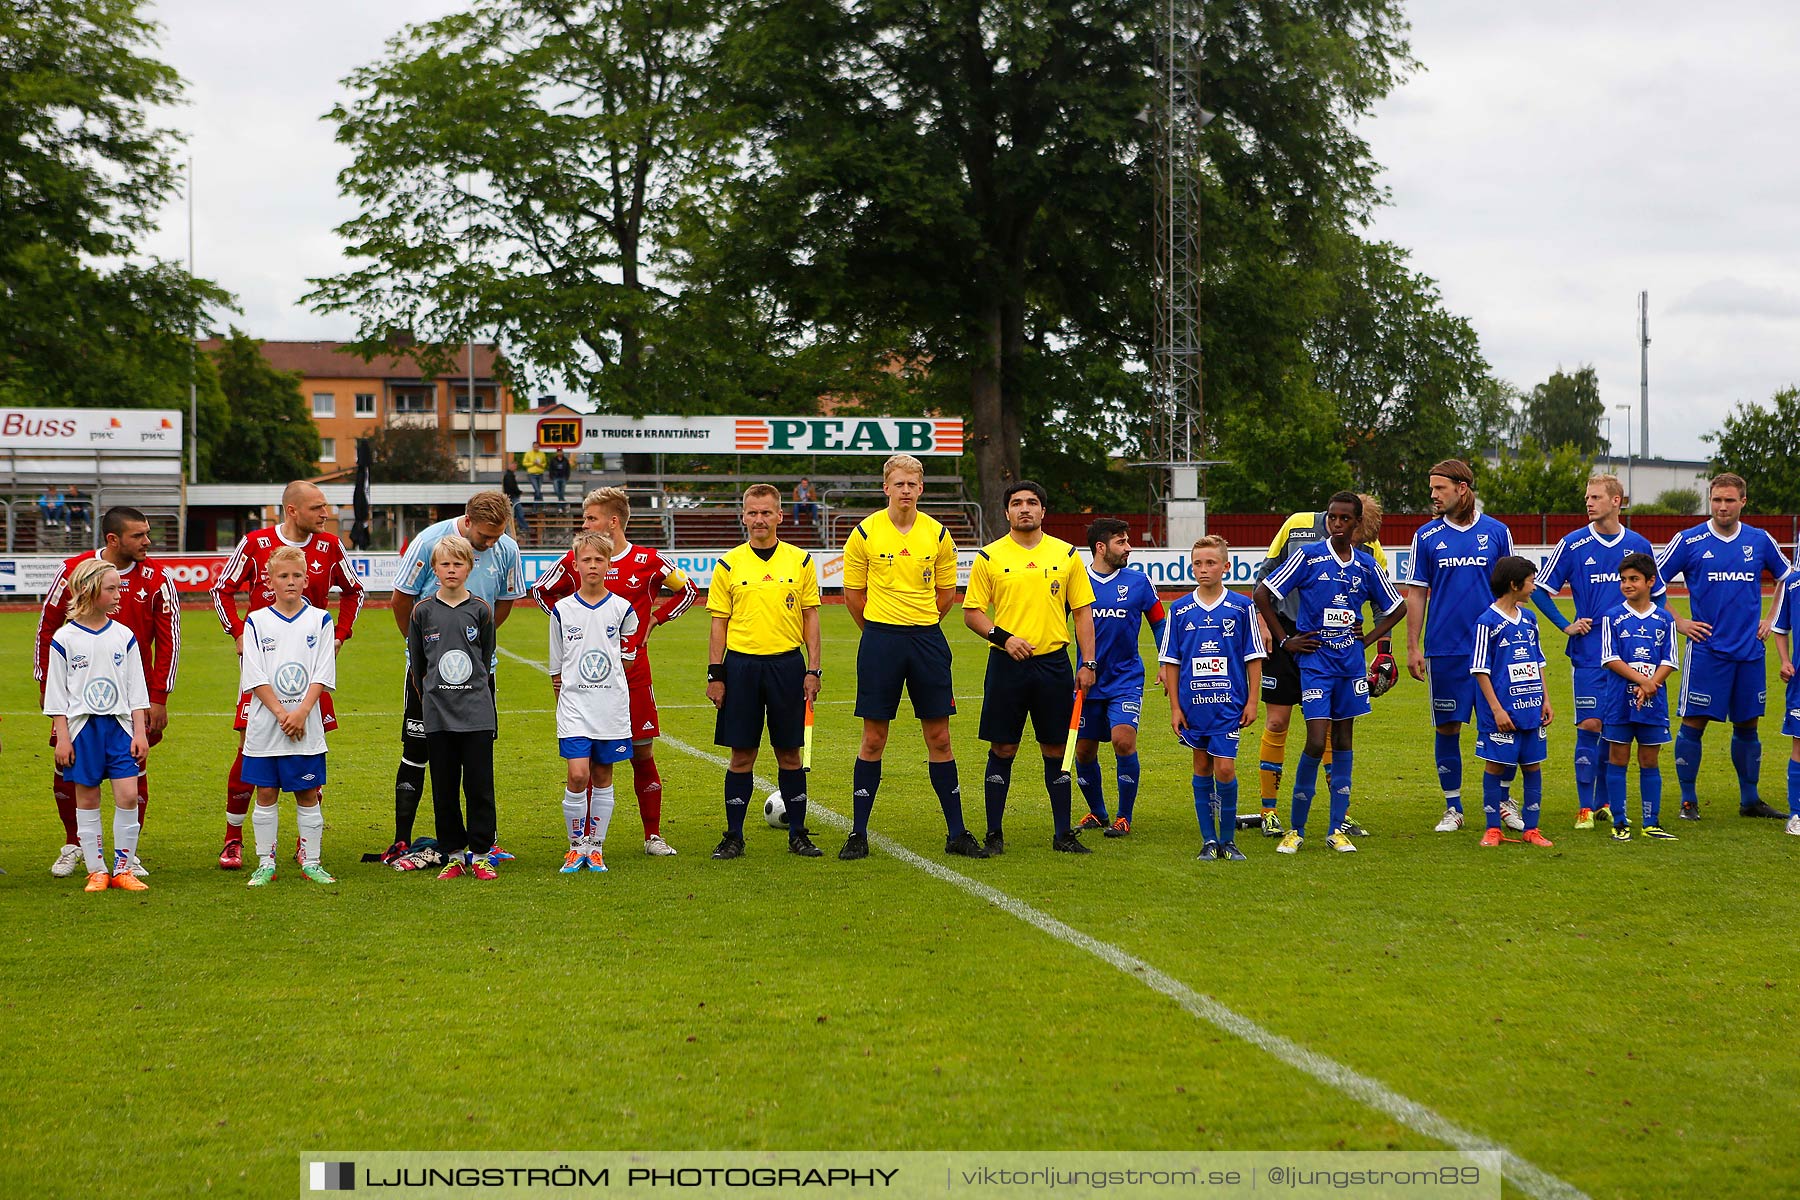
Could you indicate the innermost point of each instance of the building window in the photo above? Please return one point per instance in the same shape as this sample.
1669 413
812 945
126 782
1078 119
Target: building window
484 401
415 402
324 404
365 404
327 450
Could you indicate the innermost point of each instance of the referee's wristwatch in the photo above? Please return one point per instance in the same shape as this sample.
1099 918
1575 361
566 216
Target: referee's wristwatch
1090 665
815 672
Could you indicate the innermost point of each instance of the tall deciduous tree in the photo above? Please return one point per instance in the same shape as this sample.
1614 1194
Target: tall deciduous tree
1762 444
84 321
1533 481
271 435
1566 410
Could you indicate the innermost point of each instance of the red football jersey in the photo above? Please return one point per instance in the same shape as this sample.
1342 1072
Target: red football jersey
148 606
326 568
639 575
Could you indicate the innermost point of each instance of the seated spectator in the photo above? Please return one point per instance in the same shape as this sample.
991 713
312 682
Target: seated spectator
52 508
805 503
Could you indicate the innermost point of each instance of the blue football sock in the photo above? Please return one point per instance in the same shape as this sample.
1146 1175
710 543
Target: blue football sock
1062 794
793 794
1587 754
1306 781
1493 788
1228 794
1204 789
1341 762
1602 777
1687 762
865 781
1447 748
1746 756
739 785
1615 790
949 794
1092 781
1650 786
1533 787
1793 788
1128 786
999 779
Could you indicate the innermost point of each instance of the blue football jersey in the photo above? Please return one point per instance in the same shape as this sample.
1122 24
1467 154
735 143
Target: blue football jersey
1211 647
1643 641
1332 594
1457 565
1507 651
1724 579
1122 602
1588 564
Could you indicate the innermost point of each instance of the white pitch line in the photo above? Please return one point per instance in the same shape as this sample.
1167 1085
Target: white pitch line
1531 1179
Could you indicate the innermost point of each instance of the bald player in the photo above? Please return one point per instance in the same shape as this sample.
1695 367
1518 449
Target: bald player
304 515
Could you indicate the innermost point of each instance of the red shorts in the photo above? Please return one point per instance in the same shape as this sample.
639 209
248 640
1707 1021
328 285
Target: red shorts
326 713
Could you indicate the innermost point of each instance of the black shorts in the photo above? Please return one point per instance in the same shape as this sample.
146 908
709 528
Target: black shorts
1281 671
759 688
1042 688
916 657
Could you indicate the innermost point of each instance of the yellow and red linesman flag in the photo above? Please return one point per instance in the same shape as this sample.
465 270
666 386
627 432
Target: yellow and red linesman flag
806 743
1068 763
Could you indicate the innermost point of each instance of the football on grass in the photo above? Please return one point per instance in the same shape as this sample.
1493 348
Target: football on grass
775 811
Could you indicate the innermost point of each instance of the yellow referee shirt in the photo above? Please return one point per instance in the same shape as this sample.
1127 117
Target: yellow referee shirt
763 599
902 571
1031 591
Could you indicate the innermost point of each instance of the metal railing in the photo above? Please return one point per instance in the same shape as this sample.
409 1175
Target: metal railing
841 517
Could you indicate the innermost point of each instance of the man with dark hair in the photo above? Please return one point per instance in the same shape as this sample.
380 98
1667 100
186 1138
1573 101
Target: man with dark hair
1033 582
149 607
1123 600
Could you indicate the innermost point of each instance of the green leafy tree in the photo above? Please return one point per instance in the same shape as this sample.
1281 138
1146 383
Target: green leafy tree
1762 444
1530 481
1680 501
1488 418
271 434
84 321
411 454
1565 410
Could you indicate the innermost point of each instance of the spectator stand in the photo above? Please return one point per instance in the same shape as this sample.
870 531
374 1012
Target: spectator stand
96 459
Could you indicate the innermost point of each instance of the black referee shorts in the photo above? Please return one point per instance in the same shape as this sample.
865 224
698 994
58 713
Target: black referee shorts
1281 670
1042 688
914 657
759 688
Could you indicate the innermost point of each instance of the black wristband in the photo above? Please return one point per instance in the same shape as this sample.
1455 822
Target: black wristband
998 636
715 672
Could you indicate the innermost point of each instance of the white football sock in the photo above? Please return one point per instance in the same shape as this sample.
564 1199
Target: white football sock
265 819
311 820
125 836
600 811
575 811
87 829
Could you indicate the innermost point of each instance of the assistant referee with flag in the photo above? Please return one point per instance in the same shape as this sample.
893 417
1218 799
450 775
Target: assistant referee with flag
1034 583
764 600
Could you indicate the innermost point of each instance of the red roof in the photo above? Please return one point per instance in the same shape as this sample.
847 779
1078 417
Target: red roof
329 360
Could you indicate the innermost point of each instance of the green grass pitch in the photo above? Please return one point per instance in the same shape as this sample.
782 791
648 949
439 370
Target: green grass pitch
1623 1016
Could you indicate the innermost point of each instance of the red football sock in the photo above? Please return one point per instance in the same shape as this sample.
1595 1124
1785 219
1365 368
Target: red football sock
646 781
143 796
238 796
64 791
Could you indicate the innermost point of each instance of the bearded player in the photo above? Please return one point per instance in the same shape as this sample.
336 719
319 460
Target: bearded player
149 607
639 574
305 514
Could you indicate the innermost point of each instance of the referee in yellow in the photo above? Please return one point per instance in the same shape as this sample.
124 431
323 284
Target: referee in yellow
1033 582
764 601
899 581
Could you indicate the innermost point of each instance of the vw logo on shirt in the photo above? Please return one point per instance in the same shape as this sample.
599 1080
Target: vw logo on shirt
100 695
595 666
291 681
455 667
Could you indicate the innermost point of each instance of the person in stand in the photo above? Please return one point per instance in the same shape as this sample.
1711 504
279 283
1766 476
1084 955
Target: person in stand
806 507
536 462
509 487
559 473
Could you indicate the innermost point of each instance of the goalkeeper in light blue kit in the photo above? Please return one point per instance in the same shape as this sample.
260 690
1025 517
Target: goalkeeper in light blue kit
1212 654
1512 721
1334 579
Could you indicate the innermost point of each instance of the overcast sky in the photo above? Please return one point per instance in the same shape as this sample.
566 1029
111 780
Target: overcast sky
1549 162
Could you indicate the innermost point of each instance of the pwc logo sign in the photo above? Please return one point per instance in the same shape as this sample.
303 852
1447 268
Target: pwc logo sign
830 435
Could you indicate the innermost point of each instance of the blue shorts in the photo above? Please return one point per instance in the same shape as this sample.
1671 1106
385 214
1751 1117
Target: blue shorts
598 750
1333 697
1644 733
1100 714
914 657
1721 689
1452 689
1219 744
102 752
1523 747
1591 687
286 772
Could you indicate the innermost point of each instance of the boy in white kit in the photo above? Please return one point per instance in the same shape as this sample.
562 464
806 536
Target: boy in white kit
99 706
589 635
289 662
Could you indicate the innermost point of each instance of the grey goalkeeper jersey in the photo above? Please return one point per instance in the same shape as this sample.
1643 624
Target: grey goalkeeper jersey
449 648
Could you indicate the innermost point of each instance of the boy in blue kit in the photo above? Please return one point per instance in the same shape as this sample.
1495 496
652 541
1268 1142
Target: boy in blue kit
1211 653
1334 579
1637 645
1123 600
1722 676
1511 729
1783 628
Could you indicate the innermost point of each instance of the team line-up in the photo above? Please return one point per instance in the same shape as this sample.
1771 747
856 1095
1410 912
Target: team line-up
109 640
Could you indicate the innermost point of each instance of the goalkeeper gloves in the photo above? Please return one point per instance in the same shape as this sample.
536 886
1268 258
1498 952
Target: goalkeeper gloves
1383 672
